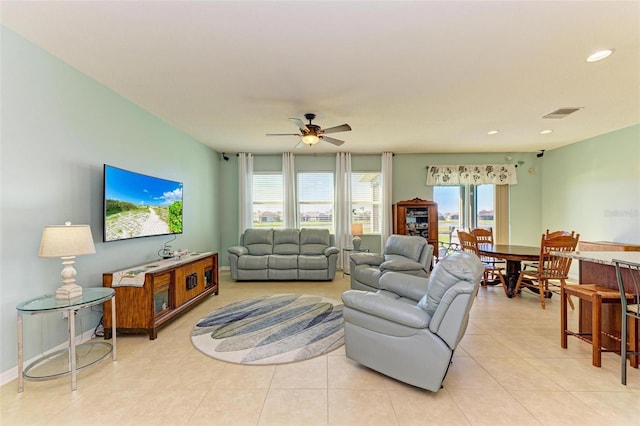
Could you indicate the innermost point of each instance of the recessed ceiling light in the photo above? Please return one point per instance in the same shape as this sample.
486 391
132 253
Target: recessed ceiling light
599 55
493 132
546 132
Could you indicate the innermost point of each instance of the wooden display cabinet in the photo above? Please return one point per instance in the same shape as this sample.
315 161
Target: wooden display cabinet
167 292
417 217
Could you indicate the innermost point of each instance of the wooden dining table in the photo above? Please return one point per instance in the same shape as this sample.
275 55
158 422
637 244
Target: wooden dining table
514 255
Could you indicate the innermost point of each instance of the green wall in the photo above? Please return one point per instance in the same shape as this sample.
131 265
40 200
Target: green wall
58 128
593 187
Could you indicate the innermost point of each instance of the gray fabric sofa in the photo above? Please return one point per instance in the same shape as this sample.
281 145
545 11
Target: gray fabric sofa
284 254
410 328
410 255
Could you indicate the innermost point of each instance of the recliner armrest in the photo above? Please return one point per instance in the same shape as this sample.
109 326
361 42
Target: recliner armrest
331 250
450 317
366 258
238 250
401 265
386 308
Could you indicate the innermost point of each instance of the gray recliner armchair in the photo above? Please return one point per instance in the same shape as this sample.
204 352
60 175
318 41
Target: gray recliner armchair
410 255
410 328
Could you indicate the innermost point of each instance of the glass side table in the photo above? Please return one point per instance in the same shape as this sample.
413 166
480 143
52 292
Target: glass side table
65 361
345 258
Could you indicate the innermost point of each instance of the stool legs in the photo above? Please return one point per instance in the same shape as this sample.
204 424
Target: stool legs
596 329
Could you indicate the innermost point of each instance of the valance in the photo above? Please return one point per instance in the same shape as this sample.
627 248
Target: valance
498 174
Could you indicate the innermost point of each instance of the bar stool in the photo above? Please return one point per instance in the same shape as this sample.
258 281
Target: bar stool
596 295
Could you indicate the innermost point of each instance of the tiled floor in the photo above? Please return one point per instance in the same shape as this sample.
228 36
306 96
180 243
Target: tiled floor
509 369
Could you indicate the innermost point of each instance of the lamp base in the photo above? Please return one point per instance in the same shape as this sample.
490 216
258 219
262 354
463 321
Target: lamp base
68 291
356 243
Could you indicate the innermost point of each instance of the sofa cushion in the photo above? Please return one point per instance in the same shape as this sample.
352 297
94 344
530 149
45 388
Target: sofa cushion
314 241
286 241
253 262
313 262
258 241
283 261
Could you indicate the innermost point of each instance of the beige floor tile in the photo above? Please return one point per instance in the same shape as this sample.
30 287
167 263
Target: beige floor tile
553 407
235 376
466 373
497 407
229 408
347 374
308 374
368 407
614 406
512 374
482 345
295 407
577 374
418 407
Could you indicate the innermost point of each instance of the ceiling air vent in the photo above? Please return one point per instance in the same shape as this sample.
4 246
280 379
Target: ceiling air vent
561 113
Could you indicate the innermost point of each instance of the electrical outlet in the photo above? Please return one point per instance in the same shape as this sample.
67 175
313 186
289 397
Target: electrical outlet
65 314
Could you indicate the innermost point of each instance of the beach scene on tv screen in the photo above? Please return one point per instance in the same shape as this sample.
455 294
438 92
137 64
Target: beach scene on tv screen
137 205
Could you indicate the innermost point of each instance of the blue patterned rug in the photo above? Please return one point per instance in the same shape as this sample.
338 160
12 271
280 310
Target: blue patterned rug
274 329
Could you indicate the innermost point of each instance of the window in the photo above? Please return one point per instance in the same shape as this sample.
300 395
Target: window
315 200
268 204
365 201
463 207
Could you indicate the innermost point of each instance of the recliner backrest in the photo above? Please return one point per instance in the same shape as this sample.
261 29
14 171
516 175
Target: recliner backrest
259 242
314 241
448 272
286 241
404 247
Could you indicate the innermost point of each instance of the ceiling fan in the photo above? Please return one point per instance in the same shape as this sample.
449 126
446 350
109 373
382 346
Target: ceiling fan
312 133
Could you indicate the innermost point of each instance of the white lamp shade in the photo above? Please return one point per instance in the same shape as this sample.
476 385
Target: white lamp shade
66 240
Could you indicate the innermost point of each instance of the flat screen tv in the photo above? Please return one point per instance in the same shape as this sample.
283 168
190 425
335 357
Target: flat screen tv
137 205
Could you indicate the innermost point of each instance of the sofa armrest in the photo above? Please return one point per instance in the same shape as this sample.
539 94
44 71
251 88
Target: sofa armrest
331 250
404 285
366 258
238 250
401 265
386 308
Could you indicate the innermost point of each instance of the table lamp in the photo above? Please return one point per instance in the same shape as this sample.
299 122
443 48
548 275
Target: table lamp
67 241
356 231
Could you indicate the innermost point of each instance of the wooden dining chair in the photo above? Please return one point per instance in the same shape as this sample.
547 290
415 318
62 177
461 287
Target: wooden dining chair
629 289
469 244
548 234
551 269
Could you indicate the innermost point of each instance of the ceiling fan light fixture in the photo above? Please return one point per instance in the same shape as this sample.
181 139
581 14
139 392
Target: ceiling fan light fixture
310 139
599 55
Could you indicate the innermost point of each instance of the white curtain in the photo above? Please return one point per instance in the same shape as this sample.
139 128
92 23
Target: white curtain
387 200
289 190
497 174
342 202
245 192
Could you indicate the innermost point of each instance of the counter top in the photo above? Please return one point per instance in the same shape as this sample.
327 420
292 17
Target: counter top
603 257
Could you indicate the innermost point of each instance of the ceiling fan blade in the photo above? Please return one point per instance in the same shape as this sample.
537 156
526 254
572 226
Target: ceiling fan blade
336 142
283 134
303 127
336 129
300 145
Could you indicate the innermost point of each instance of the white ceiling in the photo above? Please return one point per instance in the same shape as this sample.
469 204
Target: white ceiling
409 77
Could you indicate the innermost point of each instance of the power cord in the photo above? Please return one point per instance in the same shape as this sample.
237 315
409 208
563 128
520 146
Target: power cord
99 330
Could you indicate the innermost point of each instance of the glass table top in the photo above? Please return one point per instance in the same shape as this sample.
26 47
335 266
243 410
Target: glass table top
48 302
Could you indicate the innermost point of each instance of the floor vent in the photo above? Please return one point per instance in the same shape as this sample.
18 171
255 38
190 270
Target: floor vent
561 113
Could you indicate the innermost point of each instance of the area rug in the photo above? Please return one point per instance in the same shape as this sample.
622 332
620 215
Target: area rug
274 329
